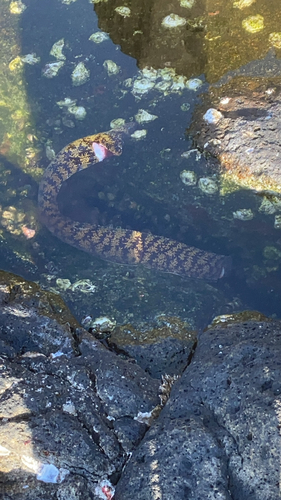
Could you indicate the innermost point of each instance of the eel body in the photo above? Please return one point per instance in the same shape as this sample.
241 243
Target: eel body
117 245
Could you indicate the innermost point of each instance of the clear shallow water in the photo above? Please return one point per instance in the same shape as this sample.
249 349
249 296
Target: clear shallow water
142 189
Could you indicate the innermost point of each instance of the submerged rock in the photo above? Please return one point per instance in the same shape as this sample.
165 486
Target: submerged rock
69 404
60 410
218 435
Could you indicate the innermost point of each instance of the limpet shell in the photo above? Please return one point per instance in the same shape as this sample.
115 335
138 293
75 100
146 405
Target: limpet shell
173 21
99 37
144 117
80 74
56 50
253 24
188 177
52 69
111 67
123 11
207 185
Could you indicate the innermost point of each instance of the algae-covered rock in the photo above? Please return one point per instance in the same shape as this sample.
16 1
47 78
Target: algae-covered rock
16 122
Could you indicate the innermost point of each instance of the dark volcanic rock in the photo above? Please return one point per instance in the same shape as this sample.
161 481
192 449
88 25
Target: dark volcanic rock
73 413
67 403
245 139
218 436
163 349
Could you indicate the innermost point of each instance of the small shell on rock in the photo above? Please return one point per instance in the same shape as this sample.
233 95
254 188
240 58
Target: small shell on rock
188 177
30 59
78 111
80 74
99 37
128 82
207 185
253 24
212 116
163 87
102 324
243 214
242 4
193 84
144 117
16 64
123 11
178 84
56 50
63 284
117 123
267 207
52 69
111 67
173 21
141 87
139 134
149 73
275 40
84 286
167 74
17 7
188 4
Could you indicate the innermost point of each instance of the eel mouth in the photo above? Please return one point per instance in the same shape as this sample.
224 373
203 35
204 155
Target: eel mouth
101 152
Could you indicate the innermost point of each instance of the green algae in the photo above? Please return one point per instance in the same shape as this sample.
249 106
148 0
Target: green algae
16 123
47 303
240 317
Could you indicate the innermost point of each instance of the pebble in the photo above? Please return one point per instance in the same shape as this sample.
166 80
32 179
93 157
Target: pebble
212 116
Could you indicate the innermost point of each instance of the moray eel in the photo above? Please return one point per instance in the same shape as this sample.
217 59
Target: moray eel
117 245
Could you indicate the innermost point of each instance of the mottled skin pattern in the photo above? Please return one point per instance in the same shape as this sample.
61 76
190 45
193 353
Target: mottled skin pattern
117 245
